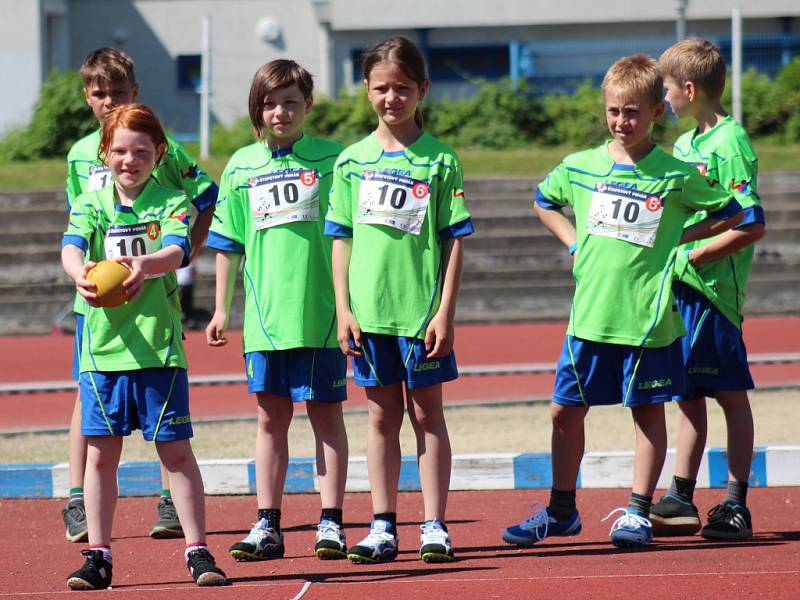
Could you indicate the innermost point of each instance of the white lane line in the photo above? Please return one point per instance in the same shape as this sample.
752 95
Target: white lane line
302 591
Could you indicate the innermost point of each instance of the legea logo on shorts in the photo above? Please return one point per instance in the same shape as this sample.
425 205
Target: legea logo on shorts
655 383
427 366
180 420
337 383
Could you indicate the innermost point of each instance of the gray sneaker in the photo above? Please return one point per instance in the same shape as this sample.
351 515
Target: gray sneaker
168 525
74 516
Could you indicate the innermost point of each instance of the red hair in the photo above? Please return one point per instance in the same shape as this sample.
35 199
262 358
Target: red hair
136 117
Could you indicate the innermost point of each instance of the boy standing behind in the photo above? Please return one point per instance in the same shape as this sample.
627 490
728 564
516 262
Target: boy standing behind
630 201
109 81
710 281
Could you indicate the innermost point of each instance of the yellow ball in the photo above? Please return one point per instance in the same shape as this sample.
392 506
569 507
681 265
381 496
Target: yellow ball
108 276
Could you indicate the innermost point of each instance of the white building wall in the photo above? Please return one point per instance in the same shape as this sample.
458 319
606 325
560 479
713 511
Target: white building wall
20 61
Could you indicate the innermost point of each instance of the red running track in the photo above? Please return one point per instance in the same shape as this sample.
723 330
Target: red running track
48 358
37 560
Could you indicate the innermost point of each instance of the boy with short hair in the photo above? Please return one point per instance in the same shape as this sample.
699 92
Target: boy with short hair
711 277
271 212
630 201
109 81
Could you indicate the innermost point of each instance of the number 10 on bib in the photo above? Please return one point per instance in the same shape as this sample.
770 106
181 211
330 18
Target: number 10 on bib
284 197
625 214
393 200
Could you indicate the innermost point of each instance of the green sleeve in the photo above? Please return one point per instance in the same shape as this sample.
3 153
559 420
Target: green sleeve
737 176
229 213
556 187
83 217
340 207
73 183
704 193
181 172
451 208
175 218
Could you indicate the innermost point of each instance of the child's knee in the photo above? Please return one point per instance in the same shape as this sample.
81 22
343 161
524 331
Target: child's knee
175 455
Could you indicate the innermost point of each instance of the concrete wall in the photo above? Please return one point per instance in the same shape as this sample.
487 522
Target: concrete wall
20 61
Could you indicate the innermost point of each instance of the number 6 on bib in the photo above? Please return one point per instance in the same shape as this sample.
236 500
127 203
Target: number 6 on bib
394 200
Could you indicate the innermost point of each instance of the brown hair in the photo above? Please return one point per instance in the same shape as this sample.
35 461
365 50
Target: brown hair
635 77
698 61
403 53
275 75
136 117
107 65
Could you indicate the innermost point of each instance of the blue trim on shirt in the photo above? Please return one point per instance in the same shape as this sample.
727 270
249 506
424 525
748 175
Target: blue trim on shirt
624 167
180 241
460 229
207 198
391 153
542 201
74 240
123 209
753 214
337 230
726 212
222 243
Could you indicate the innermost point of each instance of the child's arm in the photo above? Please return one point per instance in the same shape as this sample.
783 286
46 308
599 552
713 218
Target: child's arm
440 334
709 227
165 260
227 267
558 224
72 261
729 242
347 326
200 228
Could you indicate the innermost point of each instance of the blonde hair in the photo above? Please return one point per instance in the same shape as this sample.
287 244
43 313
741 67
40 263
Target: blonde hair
107 66
635 77
698 61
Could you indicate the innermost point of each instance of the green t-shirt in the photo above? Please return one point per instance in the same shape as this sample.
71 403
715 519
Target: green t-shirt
145 332
725 157
272 208
629 220
177 170
398 207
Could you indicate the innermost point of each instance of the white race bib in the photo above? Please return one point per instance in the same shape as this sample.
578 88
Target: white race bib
284 197
99 177
625 214
394 200
133 240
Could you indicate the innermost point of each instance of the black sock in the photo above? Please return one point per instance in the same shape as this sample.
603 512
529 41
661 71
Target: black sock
640 504
562 503
737 493
390 517
682 488
273 517
332 514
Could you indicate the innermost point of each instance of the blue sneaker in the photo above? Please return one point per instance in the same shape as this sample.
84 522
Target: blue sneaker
379 546
541 525
631 530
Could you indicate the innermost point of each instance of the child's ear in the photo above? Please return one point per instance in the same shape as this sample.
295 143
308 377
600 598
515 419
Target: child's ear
135 91
659 111
160 150
690 89
423 89
86 96
309 103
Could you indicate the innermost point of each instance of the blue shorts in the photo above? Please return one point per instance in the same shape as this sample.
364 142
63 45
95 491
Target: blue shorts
594 373
387 359
301 373
714 353
153 400
76 354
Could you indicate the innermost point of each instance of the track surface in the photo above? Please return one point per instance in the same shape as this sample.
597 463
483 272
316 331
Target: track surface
48 358
37 559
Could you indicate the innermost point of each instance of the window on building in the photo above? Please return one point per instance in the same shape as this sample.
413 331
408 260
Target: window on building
189 66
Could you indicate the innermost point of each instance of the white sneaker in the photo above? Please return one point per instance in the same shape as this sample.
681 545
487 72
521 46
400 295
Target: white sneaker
331 543
435 545
262 543
630 530
379 546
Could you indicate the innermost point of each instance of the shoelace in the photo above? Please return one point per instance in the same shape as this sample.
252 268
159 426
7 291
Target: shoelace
628 519
376 538
77 510
328 530
200 558
257 533
433 533
721 513
167 510
539 518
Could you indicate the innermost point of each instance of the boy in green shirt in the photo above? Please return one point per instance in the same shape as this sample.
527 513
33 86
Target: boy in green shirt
109 81
271 211
711 277
630 201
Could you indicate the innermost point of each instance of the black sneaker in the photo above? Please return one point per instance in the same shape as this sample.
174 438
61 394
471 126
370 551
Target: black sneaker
95 574
203 569
74 516
673 516
728 521
168 526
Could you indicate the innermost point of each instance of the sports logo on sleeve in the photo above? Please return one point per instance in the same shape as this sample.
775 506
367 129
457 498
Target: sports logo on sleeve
284 197
394 200
625 214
